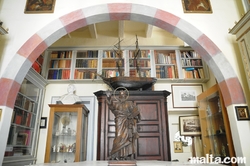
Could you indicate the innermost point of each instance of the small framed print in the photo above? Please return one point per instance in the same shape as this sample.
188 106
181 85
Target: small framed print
178 147
242 112
39 6
197 6
43 123
189 125
185 96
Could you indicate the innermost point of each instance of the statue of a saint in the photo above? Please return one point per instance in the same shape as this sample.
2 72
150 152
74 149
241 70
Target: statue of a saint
70 97
127 115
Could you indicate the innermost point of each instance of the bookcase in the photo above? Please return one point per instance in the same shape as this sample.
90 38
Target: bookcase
215 128
165 64
23 132
141 68
60 65
169 65
191 65
109 62
86 64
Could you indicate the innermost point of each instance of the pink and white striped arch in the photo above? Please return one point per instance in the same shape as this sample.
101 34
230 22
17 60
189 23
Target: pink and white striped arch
30 50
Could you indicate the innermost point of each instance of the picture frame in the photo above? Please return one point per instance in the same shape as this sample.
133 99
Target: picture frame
197 6
189 125
43 123
178 147
185 96
39 6
242 112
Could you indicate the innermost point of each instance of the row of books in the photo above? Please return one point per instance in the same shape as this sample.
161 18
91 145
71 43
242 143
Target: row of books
107 63
25 103
190 54
109 54
36 66
19 136
142 54
86 63
110 73
61 54
60 63
193 73
21 117
84 74
142 63
191 62
59 74
166 72
161 58
144 73
87 54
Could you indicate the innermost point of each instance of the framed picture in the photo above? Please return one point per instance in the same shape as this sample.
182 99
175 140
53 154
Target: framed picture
185 96
43 123
178 147
197 6
39 6
189 125
242 112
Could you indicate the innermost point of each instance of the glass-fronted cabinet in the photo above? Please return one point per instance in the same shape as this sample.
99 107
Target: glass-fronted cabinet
215 129
67 133
23 132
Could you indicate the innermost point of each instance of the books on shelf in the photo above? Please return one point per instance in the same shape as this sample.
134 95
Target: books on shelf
194 73
61 54
166 72
59 74
86 63
84 74
21 117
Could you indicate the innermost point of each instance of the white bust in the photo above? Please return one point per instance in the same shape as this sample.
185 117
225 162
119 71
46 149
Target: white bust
70 97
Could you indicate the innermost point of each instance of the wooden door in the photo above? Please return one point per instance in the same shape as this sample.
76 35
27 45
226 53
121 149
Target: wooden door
149 144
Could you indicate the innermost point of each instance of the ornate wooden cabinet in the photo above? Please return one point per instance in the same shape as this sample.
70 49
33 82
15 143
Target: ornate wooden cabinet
153 141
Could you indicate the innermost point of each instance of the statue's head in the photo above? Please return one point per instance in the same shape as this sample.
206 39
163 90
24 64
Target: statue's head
71 88
123 95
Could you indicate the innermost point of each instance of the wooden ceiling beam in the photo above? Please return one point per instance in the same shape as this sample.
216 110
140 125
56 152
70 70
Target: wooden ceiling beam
121 29
149 30
92 30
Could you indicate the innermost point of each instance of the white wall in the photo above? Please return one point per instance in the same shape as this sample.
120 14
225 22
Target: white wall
23 26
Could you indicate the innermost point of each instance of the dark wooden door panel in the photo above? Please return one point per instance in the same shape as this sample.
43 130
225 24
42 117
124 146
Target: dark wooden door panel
149 147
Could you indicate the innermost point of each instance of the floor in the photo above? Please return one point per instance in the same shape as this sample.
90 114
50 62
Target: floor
139 163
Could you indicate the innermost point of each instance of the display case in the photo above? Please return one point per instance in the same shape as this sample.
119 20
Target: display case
67 133
215 127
